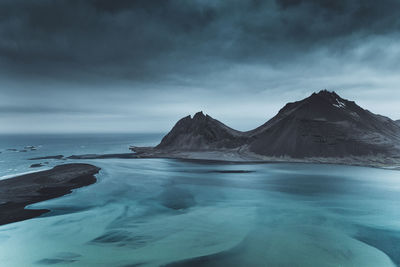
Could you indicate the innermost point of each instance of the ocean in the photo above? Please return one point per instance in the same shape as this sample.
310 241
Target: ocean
165 212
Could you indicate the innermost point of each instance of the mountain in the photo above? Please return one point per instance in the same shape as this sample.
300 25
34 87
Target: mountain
323 125
201 132
326 125
398 122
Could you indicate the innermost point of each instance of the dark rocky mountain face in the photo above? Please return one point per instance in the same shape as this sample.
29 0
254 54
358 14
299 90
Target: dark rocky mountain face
325 125
321 125
201 133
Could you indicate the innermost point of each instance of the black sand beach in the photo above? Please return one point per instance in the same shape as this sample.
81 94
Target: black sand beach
20 191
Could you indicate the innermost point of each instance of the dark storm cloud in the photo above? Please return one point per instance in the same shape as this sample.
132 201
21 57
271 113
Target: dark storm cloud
102 65
315 19
83 38
149 40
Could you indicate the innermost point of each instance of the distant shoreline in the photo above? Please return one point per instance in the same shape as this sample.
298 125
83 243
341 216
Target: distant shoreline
234 157
18 192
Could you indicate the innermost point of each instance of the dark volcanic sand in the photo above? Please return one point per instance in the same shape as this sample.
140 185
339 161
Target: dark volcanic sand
49 157
20 191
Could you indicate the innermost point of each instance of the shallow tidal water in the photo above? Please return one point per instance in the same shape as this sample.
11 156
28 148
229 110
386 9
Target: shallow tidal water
160 212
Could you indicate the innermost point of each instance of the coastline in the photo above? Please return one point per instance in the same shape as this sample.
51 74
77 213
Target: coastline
19 191
242 157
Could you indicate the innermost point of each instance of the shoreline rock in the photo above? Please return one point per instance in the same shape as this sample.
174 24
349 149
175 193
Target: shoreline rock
36 165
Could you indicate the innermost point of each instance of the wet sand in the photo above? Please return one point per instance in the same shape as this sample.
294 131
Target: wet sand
20 191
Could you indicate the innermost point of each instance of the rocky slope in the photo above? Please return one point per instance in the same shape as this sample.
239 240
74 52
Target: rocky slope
201 132
323 125
326 125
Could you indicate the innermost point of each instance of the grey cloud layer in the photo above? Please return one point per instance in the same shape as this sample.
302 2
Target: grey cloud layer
148 39
145 61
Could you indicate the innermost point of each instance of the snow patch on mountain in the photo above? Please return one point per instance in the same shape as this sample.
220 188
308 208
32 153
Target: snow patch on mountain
339 104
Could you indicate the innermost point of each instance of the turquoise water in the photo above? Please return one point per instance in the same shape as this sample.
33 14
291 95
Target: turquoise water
156 212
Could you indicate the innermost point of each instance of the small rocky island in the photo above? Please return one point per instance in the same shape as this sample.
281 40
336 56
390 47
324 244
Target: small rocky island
320 128
20 191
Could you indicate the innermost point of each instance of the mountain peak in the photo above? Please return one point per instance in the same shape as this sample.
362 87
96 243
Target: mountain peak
199 133
199 115
330 98
327 93
322 104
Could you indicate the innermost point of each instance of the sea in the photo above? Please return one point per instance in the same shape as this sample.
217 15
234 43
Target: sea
167 212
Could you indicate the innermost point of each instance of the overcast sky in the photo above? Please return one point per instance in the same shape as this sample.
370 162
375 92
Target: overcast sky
139 66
